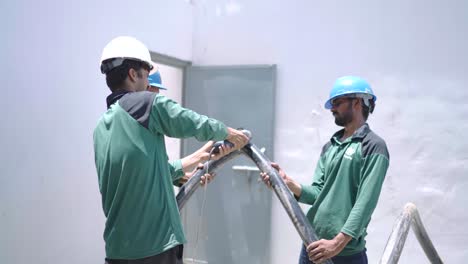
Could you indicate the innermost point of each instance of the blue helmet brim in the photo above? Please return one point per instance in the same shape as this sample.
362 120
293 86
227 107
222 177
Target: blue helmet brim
158 85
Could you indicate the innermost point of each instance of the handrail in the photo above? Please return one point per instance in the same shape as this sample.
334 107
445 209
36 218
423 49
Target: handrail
396 241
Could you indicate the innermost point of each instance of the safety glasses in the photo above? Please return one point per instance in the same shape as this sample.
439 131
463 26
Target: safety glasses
336 102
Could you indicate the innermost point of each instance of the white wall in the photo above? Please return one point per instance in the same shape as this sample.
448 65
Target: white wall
53 95
413 53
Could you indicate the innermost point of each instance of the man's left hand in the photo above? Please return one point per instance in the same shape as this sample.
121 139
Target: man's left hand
323 249
205 179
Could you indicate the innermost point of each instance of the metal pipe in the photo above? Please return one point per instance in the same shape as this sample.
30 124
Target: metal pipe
303 227
409 217
300 221
423 238
187 190
397 239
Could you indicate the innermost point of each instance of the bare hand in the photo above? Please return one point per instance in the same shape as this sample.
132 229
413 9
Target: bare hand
184 178
237 138
205 179
266 178
223 151
323 249
295 187
204 151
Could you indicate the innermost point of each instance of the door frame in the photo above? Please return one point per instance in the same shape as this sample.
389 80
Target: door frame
235 67
176 63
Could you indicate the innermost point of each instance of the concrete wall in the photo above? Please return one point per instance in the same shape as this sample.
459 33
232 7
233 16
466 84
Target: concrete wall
412 52
53 95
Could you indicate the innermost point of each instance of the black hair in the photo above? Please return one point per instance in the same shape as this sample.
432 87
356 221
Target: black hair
115 78
367 109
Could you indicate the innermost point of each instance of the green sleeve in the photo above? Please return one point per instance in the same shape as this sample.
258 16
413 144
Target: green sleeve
372 177
309 193
169 118
176 170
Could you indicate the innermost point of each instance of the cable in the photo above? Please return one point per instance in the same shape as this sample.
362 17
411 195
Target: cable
202 210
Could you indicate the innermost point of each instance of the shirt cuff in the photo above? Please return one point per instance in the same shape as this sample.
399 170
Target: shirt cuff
178 169
349 232
307 194
222 134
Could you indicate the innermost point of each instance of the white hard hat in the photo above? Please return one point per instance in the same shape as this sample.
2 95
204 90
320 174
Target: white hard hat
124 47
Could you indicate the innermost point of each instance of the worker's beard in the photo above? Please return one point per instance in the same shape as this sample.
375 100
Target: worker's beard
343 119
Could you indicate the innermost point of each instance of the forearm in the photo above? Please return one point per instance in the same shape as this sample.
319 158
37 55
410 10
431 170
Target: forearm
295 187
340 241
171 119
191 161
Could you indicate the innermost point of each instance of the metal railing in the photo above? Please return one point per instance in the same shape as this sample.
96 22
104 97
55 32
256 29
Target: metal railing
409 218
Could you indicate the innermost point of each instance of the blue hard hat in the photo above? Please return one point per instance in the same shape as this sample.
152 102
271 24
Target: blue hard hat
351 85
155 80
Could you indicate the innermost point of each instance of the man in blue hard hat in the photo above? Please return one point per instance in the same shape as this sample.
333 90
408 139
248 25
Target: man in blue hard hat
348 178
155 82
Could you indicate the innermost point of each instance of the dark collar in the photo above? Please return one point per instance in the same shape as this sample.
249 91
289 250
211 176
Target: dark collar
114 97
362 131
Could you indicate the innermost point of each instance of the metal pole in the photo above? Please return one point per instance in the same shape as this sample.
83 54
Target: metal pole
396 241
187 190
300 221
303 227
423 238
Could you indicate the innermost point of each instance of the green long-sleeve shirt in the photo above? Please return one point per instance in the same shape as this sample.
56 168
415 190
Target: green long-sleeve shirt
135 177
346 186
176 169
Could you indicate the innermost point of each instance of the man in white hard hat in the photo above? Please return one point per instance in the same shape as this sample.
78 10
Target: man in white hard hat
135 179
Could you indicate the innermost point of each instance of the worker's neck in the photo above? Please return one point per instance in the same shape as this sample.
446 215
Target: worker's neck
130 86
354 125
125 88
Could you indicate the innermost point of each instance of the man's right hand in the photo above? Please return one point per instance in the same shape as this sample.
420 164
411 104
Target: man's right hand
292 185
237 138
